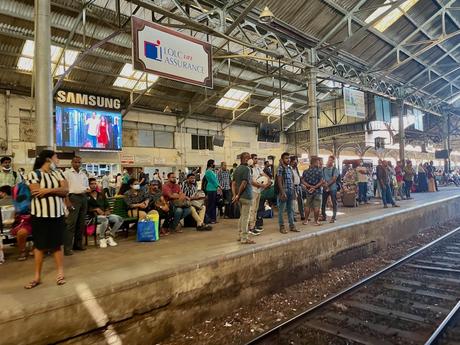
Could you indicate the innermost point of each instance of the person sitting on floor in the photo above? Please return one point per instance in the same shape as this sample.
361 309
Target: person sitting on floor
158 203
197 208
136 199
172 193
99 206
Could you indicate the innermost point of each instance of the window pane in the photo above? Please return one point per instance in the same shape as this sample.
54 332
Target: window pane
164 139
145 138
194 142
209 145
202 140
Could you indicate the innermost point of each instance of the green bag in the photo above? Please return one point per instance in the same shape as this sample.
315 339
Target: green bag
268 193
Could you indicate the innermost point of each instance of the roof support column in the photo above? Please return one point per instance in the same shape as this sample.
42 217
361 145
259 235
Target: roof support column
42 70
313 106
402 135
447 141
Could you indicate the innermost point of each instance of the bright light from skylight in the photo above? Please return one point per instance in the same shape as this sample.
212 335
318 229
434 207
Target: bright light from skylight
385 22
233 99
273 109
25 62
131 79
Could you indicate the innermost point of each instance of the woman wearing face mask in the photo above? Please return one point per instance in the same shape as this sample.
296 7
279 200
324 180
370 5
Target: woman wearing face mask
136 199
48 188
212 187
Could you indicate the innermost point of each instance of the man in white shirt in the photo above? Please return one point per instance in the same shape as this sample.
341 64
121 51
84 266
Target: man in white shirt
293 162
78 187
93 124
257 188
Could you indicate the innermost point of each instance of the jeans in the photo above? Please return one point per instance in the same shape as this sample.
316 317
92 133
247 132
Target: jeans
362 187
103 225
387 197
211 208
288 205
298 190
243 223
180 213
93 140
407 187
73 236
333 194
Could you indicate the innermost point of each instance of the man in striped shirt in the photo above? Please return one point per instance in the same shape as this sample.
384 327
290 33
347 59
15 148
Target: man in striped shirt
224 180
198 213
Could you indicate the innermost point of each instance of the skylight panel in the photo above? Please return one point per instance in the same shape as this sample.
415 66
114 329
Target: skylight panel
25 62
131 79
273 109
233 99
389 19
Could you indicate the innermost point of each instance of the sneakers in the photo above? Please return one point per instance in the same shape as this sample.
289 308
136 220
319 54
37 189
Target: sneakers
283 229
204 227
259 228
103 243
254 232
111 242
396 205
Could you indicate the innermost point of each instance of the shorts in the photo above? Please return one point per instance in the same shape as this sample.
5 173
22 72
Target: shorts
313 201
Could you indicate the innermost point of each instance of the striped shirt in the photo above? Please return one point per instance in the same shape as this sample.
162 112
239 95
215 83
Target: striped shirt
224 179
188 189
51 206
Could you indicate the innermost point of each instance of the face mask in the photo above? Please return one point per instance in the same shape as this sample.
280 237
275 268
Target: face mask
6 169
250 162
136 187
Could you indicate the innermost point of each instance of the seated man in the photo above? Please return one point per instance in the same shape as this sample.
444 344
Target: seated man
197 208
159 204
98 205
172 193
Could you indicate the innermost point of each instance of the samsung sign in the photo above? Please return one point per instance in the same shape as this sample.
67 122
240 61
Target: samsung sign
67 97
171 54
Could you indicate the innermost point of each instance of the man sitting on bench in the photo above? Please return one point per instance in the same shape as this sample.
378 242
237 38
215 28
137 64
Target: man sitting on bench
197 208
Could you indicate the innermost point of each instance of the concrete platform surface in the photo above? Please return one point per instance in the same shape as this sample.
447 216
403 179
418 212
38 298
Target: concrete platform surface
131 265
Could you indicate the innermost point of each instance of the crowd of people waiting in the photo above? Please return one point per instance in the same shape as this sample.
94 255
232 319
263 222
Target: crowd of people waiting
60 202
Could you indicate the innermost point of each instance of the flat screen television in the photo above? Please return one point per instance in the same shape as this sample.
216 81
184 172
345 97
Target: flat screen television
269 132
88 129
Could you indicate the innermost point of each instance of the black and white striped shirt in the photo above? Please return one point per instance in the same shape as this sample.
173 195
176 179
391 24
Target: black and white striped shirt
51 206
188 189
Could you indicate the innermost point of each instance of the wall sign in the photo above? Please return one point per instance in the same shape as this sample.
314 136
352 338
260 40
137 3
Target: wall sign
69 97
171 54
354 103
126 159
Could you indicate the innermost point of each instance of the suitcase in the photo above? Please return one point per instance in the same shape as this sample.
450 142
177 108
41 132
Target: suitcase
349 199
234 212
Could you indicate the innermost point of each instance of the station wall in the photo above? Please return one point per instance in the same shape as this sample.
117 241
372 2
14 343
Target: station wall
17 128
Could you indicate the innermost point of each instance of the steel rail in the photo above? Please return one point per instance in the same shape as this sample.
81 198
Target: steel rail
443 326
299 318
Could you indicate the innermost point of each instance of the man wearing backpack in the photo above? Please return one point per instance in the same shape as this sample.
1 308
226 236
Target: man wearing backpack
8 177
330 175
286 193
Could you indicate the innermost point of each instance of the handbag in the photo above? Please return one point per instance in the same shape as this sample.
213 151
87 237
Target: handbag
146 231
91 227
182 203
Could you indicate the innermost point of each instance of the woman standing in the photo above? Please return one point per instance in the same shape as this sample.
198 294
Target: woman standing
49 188
103 132
422 179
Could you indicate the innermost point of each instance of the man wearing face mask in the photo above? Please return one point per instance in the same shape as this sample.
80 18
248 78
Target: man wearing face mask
8 177
212 187
78 187
172 193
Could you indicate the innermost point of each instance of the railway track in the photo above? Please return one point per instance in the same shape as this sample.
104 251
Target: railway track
415 300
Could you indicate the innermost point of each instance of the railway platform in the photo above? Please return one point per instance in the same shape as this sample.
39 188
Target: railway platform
145 291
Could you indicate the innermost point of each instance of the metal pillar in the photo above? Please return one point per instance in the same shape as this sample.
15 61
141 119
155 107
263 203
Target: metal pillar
447 141
402 134
42 70
312 106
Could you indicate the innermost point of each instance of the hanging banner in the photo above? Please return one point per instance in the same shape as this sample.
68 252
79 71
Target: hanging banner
354 103
171 54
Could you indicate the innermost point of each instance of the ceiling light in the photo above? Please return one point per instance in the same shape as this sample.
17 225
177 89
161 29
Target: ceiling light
273 109
134 80
233 99
266 16
386 21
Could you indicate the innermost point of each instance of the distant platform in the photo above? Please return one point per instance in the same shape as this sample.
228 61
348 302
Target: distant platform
137 293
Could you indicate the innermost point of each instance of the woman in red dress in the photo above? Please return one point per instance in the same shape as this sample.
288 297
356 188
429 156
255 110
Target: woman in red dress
103 133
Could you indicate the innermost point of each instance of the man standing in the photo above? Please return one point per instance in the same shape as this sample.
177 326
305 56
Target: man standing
106 184
212 186
93 128
257 189
383 178
182 176
8 177
408 176
224 180
297 186
330 175
125 178
143 179
268 169
286 193
242 193
363 177
312 179
78 187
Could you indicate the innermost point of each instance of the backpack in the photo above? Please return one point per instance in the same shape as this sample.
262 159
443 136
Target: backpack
277 186
22 196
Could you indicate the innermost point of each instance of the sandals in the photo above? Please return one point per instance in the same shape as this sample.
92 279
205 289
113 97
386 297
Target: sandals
22 256
32 284
60 280
164 232
248 241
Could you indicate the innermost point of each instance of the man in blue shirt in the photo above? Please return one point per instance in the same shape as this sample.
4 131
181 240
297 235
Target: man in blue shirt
286 194
312 179
330 175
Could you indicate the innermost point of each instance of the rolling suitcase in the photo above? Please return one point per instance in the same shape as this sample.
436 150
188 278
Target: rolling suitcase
349 199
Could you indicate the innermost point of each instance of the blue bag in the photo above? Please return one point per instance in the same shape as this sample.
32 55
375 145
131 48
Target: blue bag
146 231
22 196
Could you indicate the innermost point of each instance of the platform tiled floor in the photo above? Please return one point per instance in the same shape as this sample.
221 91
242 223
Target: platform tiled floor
130 260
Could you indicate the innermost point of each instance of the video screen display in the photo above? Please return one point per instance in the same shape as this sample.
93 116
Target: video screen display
88 129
